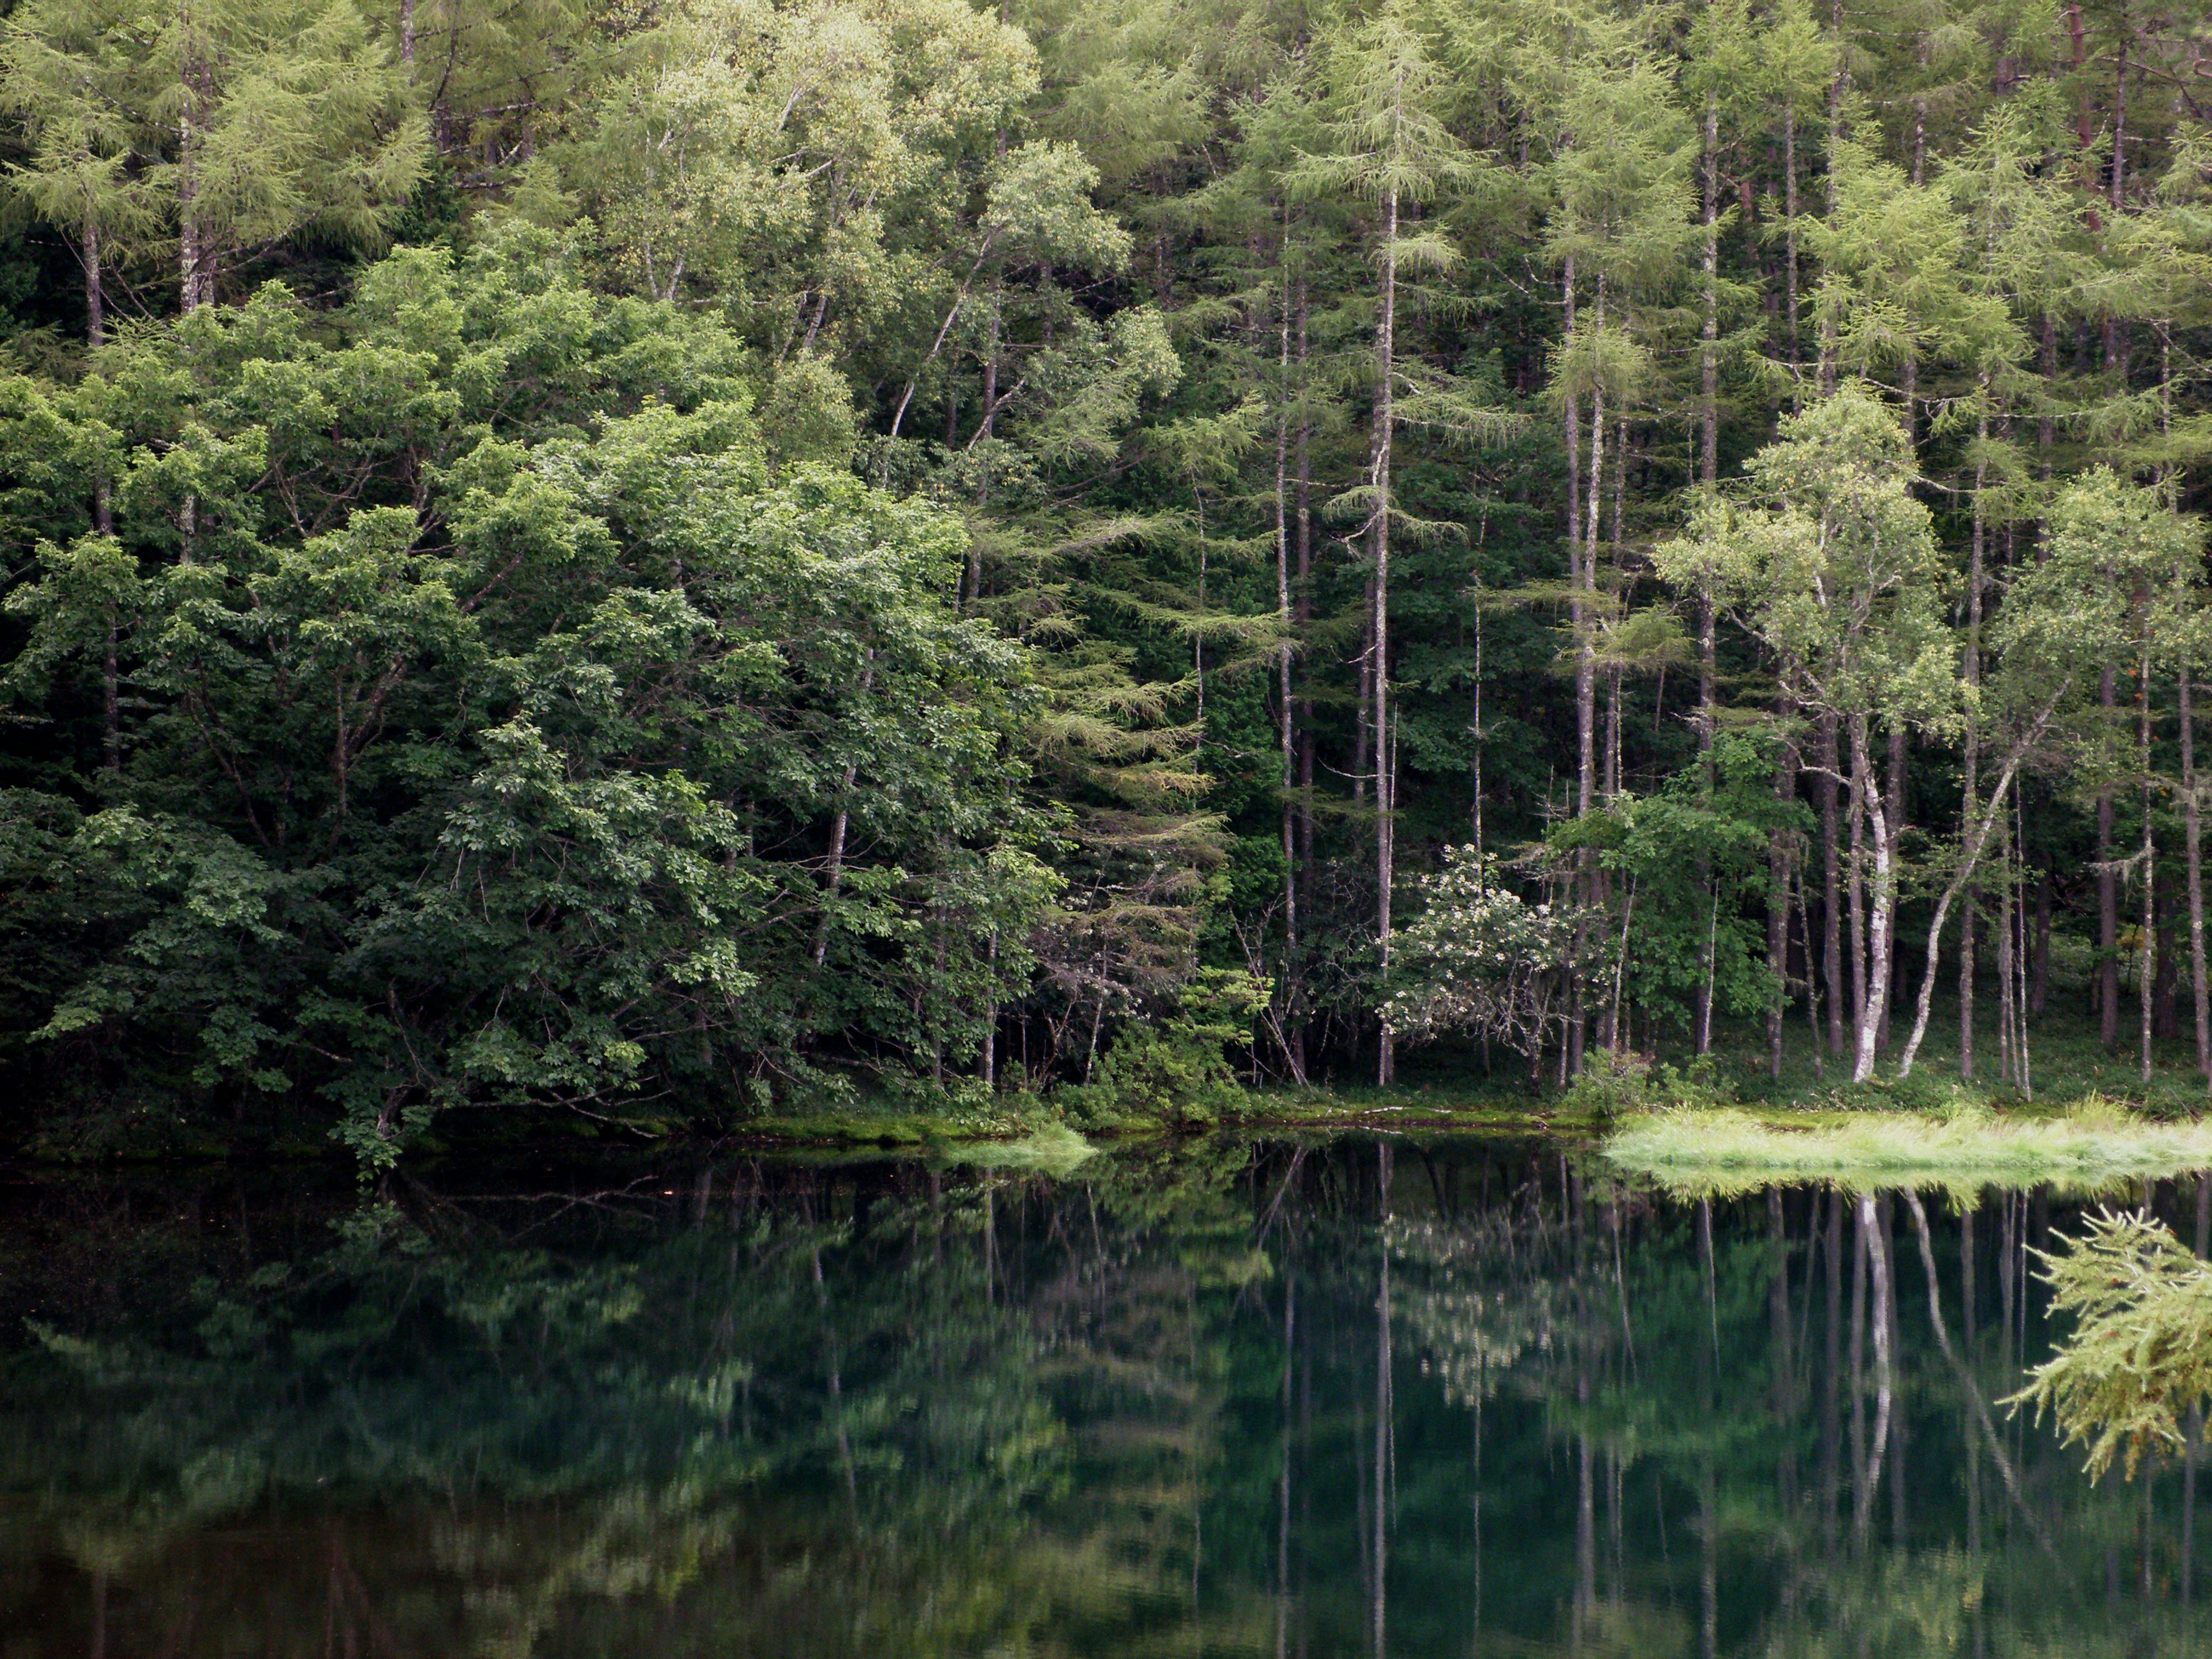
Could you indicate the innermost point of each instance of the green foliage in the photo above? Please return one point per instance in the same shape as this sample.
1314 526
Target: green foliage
2139 1360
488 759
1173 1071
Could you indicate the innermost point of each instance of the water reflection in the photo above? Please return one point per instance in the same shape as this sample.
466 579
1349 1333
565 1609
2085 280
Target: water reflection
1249 1396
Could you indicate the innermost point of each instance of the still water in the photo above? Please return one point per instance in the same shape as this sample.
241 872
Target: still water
1243 1396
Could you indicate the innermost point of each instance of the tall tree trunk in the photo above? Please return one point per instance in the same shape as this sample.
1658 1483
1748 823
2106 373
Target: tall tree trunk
1971 666
1305 613
1709 409
1832 903
1790 220
1777 893
1379 647
1289 712
2108 903
2148 854
191 254
1856 880
1709 425
2200 992
2007 1003
1893 795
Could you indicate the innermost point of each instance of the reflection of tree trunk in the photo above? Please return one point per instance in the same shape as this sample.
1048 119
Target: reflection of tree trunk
1777 1313
1980 1406
1858 1358
1877 1255
1585 1533
1283 1486
1831 1372
1708 1567
1898 1428
1705 1259
837 1389
1377 1596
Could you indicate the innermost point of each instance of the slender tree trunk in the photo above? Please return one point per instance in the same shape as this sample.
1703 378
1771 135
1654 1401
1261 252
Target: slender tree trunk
1709 423
2008 1007
407 36
2147 855
1385 802
2200 992
1856 874
1777 895
1893 795
1708 408
1585 653
96 293
190 253
1971 666
1790 220
1831 902
1305 613
2108 903
1289 711
1882 909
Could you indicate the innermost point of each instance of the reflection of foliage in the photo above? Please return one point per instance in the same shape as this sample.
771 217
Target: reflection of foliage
1472 1320
2141 1355
773 1409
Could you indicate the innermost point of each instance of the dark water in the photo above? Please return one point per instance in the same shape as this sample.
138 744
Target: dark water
1246 1397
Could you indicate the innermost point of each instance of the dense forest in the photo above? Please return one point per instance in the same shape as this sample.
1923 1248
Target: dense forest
641 561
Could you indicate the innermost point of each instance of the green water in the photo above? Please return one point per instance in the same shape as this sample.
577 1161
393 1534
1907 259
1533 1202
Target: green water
1248 1396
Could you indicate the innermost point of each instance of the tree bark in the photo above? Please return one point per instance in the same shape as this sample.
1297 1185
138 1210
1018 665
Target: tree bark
2201 993
1973 674
2148 854
1831 908
1379 647
1283 656
1882 909
2108 903
1777 895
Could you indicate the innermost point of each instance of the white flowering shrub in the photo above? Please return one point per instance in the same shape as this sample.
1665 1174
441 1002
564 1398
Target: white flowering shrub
1482 960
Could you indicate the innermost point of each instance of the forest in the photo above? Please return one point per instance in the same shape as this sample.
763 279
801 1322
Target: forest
629 564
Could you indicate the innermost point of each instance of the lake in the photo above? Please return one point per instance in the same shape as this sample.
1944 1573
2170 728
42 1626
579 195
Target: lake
1240 1396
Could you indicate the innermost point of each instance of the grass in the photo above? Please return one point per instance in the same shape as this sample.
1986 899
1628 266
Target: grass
1055 1150
2095 1146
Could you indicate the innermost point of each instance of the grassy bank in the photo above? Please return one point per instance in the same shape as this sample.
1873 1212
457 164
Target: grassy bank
2094 1145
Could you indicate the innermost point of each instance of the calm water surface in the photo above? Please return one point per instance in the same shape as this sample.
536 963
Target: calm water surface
1332 1397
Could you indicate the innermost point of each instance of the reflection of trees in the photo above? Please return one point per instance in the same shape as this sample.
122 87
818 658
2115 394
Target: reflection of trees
1767 1381
1246 1397
815 1414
